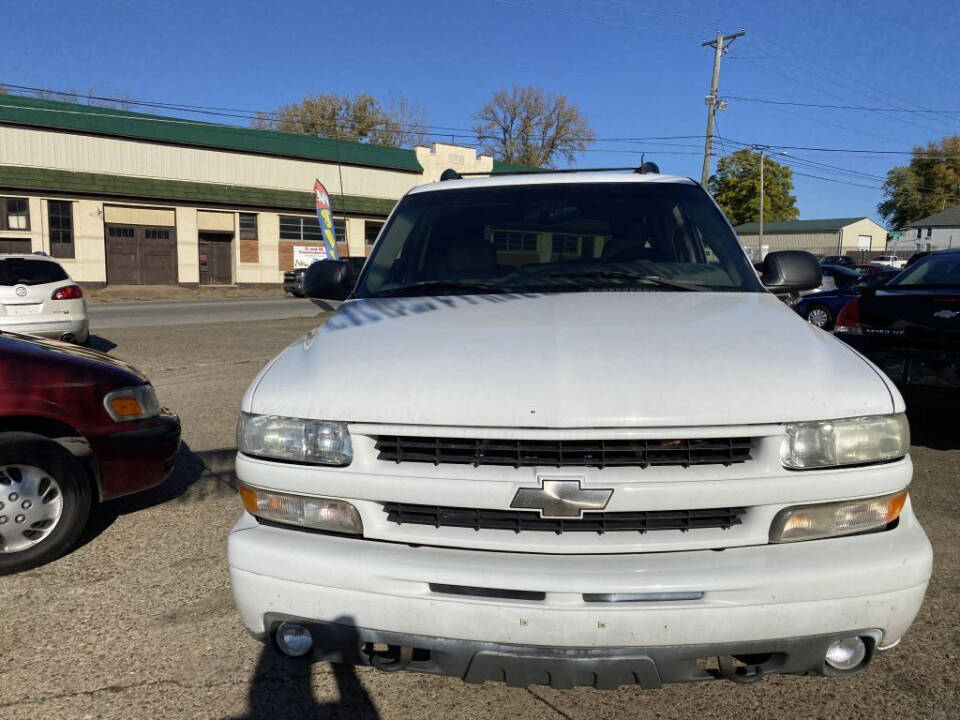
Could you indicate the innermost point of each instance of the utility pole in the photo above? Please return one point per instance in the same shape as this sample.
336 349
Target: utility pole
720 46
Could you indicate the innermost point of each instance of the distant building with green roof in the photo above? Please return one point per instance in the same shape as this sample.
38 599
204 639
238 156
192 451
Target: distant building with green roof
123 197
826 236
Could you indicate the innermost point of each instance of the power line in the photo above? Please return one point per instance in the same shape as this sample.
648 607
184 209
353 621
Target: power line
834 107
839 84
441 130
554 12
844 75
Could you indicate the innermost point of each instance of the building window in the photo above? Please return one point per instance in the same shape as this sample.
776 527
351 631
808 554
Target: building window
60 215
14 214
120 232
919 232
156 234
248 226
929 233
370 231
511 241
294 227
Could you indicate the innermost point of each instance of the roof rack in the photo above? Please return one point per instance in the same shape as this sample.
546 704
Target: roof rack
644 169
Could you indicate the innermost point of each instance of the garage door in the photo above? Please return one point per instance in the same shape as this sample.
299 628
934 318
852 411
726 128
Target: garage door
141 255
15 245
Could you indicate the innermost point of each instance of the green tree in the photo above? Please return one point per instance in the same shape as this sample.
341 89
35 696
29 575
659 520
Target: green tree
361 118
529 126
736 188
926 186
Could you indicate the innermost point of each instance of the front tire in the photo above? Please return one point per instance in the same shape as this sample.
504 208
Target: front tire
45 500
820 316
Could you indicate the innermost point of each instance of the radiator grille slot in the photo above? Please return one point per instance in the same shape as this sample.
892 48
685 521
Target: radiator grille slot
563 453
599 522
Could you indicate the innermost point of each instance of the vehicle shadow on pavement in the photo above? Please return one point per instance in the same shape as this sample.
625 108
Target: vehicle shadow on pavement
281 688
101 343
196 476
934 428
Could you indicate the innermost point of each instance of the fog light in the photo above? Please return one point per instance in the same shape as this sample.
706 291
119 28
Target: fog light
846 654
294 640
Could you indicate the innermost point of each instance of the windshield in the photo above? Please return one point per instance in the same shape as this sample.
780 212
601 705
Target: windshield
557 237
20 271
937 270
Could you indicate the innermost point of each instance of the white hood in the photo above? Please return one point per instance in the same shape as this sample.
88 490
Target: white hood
601 359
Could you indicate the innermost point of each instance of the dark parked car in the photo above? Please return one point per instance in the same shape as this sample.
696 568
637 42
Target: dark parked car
911 328
293 279
844 260
76 427
822 308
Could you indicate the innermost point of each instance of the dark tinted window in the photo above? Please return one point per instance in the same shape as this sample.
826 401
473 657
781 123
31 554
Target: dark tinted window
16 271
563 236
935 269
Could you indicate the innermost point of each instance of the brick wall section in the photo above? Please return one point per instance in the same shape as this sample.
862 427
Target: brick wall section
249 251
285 251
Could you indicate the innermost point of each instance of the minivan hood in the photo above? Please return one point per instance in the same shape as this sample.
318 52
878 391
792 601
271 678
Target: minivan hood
586 359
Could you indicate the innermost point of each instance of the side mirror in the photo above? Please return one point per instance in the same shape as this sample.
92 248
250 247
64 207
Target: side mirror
790 271
329 280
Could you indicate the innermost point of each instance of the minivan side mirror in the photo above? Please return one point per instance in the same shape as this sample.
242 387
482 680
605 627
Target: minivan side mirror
329 280
789 271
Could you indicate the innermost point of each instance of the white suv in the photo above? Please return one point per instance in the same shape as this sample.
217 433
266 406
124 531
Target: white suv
560 433
37 297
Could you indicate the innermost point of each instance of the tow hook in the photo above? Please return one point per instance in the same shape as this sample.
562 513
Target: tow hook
738 673
395 657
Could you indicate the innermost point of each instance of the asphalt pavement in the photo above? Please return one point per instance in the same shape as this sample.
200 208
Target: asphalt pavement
155 313
138 621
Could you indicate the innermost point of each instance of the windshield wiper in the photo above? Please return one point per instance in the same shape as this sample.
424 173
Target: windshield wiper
431 287
615 275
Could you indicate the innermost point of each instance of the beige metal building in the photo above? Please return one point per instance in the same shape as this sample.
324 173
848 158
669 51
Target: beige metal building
128 198
856 236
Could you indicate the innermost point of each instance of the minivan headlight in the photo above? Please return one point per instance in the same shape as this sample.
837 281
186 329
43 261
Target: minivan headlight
851 441
318 442
824 520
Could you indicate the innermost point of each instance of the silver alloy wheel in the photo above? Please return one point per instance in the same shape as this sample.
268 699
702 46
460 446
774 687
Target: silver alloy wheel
31 504
818 317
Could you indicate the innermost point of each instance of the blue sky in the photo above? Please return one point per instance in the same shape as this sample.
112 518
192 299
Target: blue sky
635 68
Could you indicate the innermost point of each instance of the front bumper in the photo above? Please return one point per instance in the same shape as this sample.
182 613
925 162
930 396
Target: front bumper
774 595
562 668
134 456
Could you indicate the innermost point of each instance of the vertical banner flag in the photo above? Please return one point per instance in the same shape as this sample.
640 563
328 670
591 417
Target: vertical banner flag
325 218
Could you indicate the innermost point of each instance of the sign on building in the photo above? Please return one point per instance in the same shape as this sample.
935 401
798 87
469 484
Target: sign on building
305 255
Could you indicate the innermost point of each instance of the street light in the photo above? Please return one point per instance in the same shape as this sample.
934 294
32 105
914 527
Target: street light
762 149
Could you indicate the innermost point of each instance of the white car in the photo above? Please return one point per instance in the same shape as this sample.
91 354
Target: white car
37 297
560 433
890 261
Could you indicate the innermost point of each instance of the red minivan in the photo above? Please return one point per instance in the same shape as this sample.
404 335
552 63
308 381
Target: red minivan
76 427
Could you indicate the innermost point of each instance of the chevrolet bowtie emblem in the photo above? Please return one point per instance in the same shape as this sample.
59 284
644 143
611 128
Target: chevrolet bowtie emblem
561 498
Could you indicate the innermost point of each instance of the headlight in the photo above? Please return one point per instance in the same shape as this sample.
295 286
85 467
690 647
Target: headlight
318 442
853 441
811 522
132 403
318 513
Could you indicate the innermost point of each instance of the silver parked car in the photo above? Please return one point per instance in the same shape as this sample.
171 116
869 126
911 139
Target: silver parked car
37 297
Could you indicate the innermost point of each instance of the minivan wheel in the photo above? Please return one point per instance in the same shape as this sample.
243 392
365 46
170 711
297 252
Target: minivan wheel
45 501
819 316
